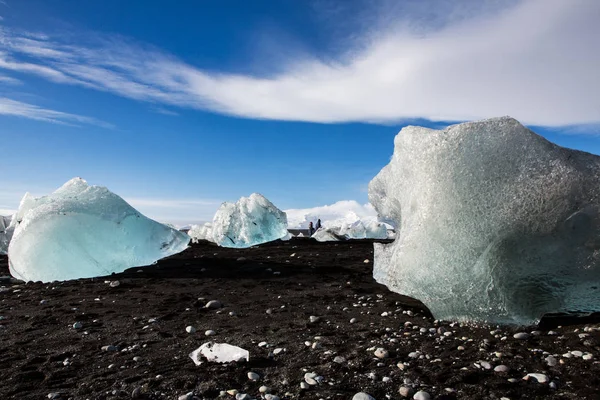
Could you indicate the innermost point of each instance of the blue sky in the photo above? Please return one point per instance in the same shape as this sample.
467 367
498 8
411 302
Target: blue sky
178 106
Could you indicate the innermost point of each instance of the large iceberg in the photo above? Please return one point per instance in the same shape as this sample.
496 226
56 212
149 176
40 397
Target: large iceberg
494 223
82 231
5 233
250 221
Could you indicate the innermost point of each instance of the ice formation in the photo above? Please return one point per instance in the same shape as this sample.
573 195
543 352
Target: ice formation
82 231
364 230
250 221
219 352
201 232
5 233
494 223
327 235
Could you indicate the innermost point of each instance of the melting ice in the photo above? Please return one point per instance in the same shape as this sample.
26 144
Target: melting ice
493 222
83 231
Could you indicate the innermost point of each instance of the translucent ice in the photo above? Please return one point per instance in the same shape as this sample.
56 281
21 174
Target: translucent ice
201 232
5 233
493 222
369 229
82 231
250 221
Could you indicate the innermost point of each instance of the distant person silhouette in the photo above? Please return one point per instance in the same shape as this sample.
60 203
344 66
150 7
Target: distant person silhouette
311 229
318 224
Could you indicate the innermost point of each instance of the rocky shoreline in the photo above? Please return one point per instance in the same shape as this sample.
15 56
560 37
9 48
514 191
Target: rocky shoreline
314 322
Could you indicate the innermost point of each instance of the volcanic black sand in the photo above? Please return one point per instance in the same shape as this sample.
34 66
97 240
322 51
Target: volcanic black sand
268 294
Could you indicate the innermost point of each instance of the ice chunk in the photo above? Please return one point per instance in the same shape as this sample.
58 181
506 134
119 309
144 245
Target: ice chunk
327 235
6 232
219 352
250 221
201 232
82 231
369 229
493 223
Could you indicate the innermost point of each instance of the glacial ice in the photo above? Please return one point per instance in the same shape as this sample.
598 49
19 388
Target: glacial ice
5 233
201 232
82 231
327 235
493 223
369 229
250 221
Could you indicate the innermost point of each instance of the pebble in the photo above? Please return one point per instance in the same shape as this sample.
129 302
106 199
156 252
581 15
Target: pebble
521 336
577 353
460 348
190 329
551 361
210 332
405 391
421 395
485 365
213 304
314 319
353 320
109 348
77 325
381 353
587 357
114 283
339 360
264 389
304 385
278 351
362 396
253 376
137 358
501 368
541 378
242 396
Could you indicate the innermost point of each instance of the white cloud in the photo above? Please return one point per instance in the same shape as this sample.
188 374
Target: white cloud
25 110
535 60
178 212
342 211
9 80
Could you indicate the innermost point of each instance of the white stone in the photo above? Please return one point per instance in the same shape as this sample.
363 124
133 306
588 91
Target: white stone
362 396
210 332
219 352
501 368
381 353
521 336
253 376
421 395
190 329
541 378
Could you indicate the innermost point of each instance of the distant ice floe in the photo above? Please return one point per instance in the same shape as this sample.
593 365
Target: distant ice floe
494 223
83 231
250 221
334 215
201 232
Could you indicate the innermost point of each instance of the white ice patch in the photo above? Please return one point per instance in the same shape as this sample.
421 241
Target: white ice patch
494 223
250 221
219 352
201 232
82 231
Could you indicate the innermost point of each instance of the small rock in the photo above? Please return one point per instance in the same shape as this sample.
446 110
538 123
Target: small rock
210 332
521 335
339 360
253 376
77 325
421 395
314 319
362 396
541 378
304 385
381 353
405 391
501 368
114 283
190 329
213 304
551 361
264 389
109 348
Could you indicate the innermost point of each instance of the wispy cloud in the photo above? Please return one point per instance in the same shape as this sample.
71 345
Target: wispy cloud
535 60
9 80
25 110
